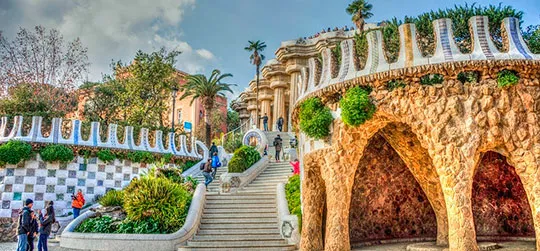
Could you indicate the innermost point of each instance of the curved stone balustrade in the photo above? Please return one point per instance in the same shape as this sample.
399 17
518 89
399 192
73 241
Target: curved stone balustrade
93 139
446 50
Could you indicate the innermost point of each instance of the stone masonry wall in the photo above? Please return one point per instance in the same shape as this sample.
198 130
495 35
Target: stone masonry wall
387 202
499 202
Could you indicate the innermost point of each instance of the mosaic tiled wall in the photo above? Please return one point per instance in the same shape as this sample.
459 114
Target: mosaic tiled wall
56 182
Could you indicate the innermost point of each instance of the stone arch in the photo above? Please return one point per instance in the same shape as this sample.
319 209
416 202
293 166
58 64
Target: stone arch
499 202
387 200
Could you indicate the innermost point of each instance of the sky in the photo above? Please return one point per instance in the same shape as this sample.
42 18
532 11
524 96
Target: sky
211 34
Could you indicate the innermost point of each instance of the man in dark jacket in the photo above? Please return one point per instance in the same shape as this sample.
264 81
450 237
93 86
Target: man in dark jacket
280 123
213 149
265 122
33 230
278 144
45 225
24 225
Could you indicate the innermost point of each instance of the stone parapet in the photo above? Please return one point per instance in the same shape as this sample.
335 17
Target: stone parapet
232 182
288 223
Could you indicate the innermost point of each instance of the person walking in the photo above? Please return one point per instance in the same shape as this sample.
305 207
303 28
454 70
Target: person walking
23 228
280 122
295 166
33 230
213 149
77 203
215 164
293 142
207 172
45 225
265 122
278 144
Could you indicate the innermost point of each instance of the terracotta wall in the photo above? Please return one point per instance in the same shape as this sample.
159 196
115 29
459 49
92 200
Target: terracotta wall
499 202
387 202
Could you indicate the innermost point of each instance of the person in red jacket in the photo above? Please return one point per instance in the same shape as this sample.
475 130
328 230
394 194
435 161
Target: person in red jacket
77 203
295 166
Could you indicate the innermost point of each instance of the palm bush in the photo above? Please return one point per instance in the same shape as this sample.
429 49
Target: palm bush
52 153
112 198
356 107
243 158
158 199
315 118
15 151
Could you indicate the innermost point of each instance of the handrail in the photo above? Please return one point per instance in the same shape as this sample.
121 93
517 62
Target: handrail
240 127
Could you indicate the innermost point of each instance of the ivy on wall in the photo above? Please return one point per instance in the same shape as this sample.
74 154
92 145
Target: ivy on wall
315 118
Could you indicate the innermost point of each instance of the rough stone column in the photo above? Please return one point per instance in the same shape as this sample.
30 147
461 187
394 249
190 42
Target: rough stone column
266 108
313 199
279 102
294 72
456 173
526 163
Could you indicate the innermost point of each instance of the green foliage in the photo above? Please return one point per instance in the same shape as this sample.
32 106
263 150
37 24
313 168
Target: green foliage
52 153
158 199
172 174
146 226
507 78
187 165
336 53
167 158
531 35
468 77
360 10
15 151
233 120
395 83
315 118
292 193
194 182
97 225
243 158
106 155
361 49
141 157
356 107
233 142
431 79
112 198
390 34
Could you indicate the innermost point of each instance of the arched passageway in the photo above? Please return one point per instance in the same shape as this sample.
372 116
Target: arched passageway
387 202
499 202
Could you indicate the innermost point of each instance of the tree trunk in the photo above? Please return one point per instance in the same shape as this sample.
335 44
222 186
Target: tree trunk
257 99
208 133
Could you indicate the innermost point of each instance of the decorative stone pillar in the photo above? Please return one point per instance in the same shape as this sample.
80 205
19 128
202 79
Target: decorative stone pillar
266 102
279 103
313 199
293 69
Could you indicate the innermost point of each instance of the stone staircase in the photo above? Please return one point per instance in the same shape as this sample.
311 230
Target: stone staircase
285 136
214 186
246 220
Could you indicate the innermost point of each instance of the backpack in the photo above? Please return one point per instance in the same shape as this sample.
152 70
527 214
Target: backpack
201 167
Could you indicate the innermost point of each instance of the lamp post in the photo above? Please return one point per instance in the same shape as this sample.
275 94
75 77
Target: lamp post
174 92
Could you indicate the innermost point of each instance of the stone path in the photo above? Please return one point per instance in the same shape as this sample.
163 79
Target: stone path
246 220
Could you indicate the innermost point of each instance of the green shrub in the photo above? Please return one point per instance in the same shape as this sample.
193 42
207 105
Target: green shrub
14 151
167 158
356 107
112 198
97 225
336 53
395 83
158 199
507 78
361 49
315 118
292 193
233 142
243 158
52 153
146 226
141 157
468 77
106 155
431 79
173 174
187 164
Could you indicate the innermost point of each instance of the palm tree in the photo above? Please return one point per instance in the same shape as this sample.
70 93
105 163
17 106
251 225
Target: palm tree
256 58
206 89
360 10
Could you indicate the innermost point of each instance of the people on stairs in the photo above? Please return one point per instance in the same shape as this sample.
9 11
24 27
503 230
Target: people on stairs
215 164
278 144
207 172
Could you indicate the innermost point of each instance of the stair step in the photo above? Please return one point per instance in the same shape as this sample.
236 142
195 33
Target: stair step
237 206
239 221
240 201
253 189
239 210
252 215
238 237
220 232
234 244
239 226
284 248
241 197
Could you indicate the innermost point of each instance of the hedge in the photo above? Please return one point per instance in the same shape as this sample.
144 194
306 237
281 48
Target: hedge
243 158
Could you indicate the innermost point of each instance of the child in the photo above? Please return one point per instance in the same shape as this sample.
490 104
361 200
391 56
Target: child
33 230
295 166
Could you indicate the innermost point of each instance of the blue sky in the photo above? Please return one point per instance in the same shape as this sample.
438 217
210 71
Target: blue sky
211 33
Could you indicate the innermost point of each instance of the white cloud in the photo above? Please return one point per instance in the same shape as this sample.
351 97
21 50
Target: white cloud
110 29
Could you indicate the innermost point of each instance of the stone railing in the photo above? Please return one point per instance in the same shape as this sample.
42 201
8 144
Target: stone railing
288 223
135 242
94 140
446 50
260 137
232 182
